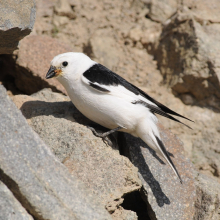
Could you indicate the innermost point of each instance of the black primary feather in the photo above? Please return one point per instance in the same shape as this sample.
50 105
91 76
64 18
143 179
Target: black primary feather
157 110
103 76
168 157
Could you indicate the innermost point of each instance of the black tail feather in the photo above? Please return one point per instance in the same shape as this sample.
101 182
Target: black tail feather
161 106
158 110
168 157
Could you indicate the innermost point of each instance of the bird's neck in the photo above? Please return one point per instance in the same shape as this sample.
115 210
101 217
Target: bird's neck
66 83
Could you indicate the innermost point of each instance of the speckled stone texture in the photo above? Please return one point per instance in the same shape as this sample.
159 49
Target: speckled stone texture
10 208
34 175
107 174
207 199
168 198
16 21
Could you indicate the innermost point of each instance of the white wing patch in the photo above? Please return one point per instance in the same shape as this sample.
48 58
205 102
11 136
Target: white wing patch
117 91
96 86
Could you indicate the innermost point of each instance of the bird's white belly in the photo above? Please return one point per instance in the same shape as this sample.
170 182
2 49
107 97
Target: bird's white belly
107 110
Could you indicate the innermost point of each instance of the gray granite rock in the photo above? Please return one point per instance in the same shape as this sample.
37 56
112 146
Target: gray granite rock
166 196
37 179
16 21
107 174
10 208
206 153
207 198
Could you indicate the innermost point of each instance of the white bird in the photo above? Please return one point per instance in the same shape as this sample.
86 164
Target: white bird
109 100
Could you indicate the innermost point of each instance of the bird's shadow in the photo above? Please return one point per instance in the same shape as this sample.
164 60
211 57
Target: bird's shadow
64 109
68 111
134 153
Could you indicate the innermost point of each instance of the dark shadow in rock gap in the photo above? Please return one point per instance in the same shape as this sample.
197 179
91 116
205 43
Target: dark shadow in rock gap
142 166
134 202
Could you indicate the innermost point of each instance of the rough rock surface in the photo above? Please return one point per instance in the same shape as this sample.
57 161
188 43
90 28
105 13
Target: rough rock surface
104 171
16 21
129 28
205 11
161 10
10 208
124 214
202 143
37 179
63 8
188 59
164 192
120 35
207 198
56 121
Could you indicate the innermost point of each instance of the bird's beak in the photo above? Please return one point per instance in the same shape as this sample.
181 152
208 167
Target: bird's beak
51 72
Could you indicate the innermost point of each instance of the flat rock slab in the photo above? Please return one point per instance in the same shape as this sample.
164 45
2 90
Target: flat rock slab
10 208
16 21
38 180
107 174
168 198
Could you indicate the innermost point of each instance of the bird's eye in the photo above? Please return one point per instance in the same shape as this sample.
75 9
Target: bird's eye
64 63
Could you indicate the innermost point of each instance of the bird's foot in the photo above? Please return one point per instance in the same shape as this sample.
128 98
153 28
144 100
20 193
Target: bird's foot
101 135
104 135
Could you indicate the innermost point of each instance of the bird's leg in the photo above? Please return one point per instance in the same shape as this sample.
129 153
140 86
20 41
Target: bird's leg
103 135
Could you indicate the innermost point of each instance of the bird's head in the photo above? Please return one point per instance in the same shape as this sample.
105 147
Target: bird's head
69 65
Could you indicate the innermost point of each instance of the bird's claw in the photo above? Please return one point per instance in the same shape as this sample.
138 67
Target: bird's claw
100 135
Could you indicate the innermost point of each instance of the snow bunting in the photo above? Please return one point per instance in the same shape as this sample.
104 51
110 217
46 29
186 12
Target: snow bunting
109 100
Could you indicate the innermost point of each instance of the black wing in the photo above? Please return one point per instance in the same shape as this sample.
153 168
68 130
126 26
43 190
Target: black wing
103 76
